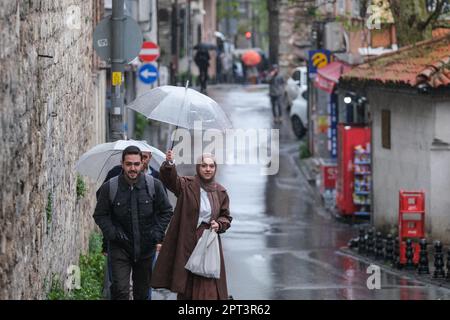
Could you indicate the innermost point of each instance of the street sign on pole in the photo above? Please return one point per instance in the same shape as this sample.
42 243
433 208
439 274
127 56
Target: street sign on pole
149 51
117 40
317 59
103 43
148 73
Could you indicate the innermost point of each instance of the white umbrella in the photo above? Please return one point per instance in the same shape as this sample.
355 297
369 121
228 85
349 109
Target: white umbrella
182 107
97 161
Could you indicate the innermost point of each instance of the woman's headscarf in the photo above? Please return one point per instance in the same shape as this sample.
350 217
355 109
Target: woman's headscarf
207 185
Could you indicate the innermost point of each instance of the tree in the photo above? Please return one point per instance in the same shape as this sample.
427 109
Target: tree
273 8
414 18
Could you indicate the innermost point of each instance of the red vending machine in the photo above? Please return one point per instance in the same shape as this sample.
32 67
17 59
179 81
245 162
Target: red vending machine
349 138
411 222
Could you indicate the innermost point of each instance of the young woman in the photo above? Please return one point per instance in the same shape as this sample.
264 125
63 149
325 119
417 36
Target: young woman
201 204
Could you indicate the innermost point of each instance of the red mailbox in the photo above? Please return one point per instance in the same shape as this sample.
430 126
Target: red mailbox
411 221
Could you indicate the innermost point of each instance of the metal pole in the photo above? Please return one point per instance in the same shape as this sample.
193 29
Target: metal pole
189 39
117 69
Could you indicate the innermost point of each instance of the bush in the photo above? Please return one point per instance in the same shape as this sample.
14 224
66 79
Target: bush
91 271
139 127
81 187
304 151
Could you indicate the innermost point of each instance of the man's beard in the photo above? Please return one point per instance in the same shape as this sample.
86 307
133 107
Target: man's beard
131 172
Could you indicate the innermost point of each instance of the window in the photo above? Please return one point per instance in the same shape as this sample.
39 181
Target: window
296 75
356 8
341 7
386 129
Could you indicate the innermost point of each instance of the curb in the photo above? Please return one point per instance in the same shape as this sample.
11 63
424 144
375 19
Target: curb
425 279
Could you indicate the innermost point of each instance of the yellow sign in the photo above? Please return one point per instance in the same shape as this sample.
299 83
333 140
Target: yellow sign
319 60
116 78
322 124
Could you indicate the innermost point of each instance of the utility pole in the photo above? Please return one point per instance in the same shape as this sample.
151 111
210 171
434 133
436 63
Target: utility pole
117 70
189 39
175 42
274 30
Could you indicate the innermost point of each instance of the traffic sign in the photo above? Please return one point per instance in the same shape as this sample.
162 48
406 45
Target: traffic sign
103 38
318 59
148 73
149 51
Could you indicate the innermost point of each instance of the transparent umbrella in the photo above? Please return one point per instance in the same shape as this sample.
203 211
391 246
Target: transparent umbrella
97 161
182 107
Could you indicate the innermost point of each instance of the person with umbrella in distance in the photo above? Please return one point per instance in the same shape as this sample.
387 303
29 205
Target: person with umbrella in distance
202 61
132 212
276 90
202 204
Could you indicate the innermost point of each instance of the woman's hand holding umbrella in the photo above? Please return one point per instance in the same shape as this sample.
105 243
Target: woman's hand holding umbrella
169 156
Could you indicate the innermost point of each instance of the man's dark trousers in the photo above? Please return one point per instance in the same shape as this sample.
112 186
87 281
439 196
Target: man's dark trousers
276 105
122 266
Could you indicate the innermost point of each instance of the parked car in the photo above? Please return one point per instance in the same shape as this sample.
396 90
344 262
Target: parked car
295 85
299 114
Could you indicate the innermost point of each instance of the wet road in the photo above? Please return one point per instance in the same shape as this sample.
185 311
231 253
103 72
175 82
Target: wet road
282 244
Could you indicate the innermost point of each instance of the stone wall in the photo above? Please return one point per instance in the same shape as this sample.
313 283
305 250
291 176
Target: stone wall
47 111
295 33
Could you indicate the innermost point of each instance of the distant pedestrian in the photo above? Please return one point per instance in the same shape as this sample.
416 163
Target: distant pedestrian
132 212
276 91
202 61
202 204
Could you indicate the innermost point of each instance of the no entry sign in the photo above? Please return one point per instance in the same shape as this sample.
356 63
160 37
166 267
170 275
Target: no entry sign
149 51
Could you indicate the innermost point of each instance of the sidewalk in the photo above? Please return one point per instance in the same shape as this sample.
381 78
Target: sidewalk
409 274
310 168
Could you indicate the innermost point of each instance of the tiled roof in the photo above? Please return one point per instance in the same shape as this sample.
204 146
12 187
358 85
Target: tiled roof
425 62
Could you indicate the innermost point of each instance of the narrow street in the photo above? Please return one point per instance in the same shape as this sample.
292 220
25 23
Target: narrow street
282 243
342 197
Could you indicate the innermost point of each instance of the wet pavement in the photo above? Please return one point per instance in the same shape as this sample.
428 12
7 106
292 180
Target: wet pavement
282 243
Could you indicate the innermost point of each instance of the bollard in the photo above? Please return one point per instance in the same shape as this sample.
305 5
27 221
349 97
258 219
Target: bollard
439 272
423 260
409 255
397 263
389 251
362 241
370 246
448 265
379 246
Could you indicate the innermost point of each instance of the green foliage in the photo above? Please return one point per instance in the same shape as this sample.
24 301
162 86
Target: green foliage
92 272
412 20
139 126
81 187
49 210
56 290
227 9
304 152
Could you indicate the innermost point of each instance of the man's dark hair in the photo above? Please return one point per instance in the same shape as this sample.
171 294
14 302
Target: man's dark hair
131 150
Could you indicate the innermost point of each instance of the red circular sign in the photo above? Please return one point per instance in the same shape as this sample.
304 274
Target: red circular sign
149 51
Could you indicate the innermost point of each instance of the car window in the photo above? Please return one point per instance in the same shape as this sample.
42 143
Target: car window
305 94
296 75
303 80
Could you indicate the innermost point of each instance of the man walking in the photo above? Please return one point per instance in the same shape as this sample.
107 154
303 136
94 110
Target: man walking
202 61
132 211
276 90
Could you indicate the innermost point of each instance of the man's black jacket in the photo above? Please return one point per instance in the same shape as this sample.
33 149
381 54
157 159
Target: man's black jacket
115 171
142 219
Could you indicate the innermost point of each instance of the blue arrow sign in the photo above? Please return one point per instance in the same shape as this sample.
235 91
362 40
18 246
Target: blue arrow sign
148 73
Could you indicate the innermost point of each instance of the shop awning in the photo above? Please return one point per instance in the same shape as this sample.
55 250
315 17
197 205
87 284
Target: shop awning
328 76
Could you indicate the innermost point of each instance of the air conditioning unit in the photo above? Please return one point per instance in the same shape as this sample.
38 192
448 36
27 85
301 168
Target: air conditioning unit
334 37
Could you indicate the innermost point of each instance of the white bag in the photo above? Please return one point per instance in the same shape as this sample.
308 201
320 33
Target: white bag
205 259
